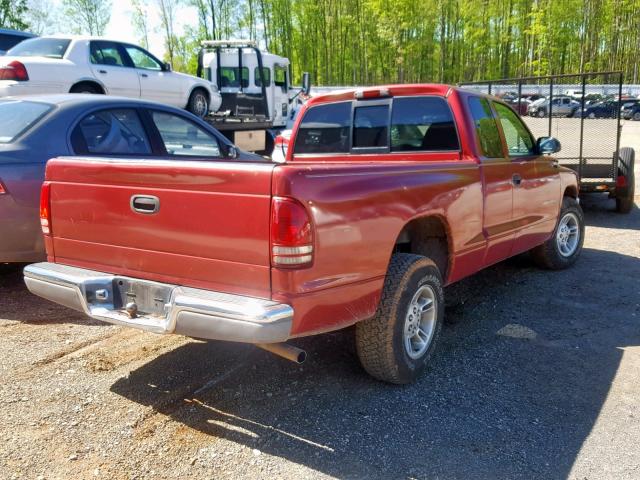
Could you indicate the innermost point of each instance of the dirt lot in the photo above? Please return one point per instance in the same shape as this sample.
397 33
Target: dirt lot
536 377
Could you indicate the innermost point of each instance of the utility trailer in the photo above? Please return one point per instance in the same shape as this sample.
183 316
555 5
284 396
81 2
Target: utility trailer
590 143
257 96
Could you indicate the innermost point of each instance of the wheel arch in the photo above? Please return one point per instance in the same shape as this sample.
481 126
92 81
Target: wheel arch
89 81
198 86
430 236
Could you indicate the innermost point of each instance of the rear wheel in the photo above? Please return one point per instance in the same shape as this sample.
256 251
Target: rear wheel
624 202
396 344
564 247
541 113
198 103
636 116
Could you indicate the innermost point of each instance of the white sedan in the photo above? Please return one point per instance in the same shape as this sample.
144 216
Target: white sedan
73 64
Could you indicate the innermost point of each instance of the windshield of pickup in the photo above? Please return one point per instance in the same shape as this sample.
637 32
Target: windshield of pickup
41 47
18 116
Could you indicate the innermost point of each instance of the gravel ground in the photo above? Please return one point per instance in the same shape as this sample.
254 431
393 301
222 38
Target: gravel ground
536 377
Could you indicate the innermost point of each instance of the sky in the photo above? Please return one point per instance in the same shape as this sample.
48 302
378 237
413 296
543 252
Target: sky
120 26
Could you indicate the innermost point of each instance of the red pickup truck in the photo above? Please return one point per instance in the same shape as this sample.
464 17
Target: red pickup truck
385 195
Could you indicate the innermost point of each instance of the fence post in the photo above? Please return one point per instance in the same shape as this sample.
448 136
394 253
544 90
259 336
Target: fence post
584 92
550 103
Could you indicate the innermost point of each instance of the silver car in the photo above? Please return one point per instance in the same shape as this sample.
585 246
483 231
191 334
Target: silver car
561 106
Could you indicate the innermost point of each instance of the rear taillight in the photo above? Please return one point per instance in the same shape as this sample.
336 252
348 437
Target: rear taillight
45 208
291 233
14 71
621 181
2 189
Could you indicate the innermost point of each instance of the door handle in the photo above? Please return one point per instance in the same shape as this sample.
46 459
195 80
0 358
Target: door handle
516 179
144 75
102 71
145 204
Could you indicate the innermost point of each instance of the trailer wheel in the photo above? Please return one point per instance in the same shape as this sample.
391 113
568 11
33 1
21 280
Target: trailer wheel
564 246
396 344
198 103
624 202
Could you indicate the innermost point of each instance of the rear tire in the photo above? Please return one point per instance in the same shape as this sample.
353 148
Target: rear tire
636 116
624 203
541 113
198 103
564 247
396 344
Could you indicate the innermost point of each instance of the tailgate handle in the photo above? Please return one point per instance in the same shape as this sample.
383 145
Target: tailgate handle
145 203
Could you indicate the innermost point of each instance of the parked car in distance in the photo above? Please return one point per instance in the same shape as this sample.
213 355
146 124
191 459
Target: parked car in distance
632 112
81 64
36 128
386 195
10 38
627 108
561 106
606 109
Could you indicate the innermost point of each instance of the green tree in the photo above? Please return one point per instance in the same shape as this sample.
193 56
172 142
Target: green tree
87 16
12 14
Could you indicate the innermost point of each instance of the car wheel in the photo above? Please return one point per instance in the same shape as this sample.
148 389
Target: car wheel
636 116
624 203
564 246
591 115
540 114
85 88
396 344
198 103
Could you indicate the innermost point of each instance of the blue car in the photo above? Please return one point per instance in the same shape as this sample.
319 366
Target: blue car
10 38
36 128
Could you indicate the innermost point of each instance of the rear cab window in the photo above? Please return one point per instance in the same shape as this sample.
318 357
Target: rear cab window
381 125
19 116
41 47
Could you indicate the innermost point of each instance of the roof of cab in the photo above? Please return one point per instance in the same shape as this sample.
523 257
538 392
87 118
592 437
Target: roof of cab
394 91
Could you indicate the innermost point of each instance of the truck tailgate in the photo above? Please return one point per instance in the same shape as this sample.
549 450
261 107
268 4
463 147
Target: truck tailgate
210 230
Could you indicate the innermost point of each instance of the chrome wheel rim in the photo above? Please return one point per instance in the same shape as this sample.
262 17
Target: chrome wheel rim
200 105
420 322
568 234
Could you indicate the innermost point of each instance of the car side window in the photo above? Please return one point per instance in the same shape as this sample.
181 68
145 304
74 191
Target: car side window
422 124
111 132
106 53
371 126
142 59
486 128
518 139
183 138
324 129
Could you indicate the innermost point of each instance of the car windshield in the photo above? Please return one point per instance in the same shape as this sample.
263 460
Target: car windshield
41 47
18 116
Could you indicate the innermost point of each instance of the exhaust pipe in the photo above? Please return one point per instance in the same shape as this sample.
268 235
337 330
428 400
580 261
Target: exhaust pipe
285 350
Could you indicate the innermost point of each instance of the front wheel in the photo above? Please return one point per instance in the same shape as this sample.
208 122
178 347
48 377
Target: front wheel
564 247
198 103
541 113
396 344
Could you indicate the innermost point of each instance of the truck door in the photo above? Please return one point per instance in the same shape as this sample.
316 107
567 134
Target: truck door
499 228
280 107
536 182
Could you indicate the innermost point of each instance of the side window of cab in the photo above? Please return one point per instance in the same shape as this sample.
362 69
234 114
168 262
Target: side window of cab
486 128
519 141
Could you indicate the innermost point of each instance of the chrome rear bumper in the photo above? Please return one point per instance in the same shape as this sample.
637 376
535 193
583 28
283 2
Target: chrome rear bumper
163 308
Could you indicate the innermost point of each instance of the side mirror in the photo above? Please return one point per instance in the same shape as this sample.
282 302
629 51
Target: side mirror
306 83
233 152
548 145
166 67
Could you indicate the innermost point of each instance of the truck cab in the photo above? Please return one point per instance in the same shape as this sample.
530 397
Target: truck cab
252 82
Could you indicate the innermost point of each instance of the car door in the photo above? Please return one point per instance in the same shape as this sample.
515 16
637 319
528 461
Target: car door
536 182
111 67
496 168
157 82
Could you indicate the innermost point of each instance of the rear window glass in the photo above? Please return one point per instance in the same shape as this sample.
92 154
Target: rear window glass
325 129
486 128
16 117
266 72
422 124
111 132
370 126
230 77
41 47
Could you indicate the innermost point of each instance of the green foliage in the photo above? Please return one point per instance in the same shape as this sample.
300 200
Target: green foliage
12 14
87 16
383 41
